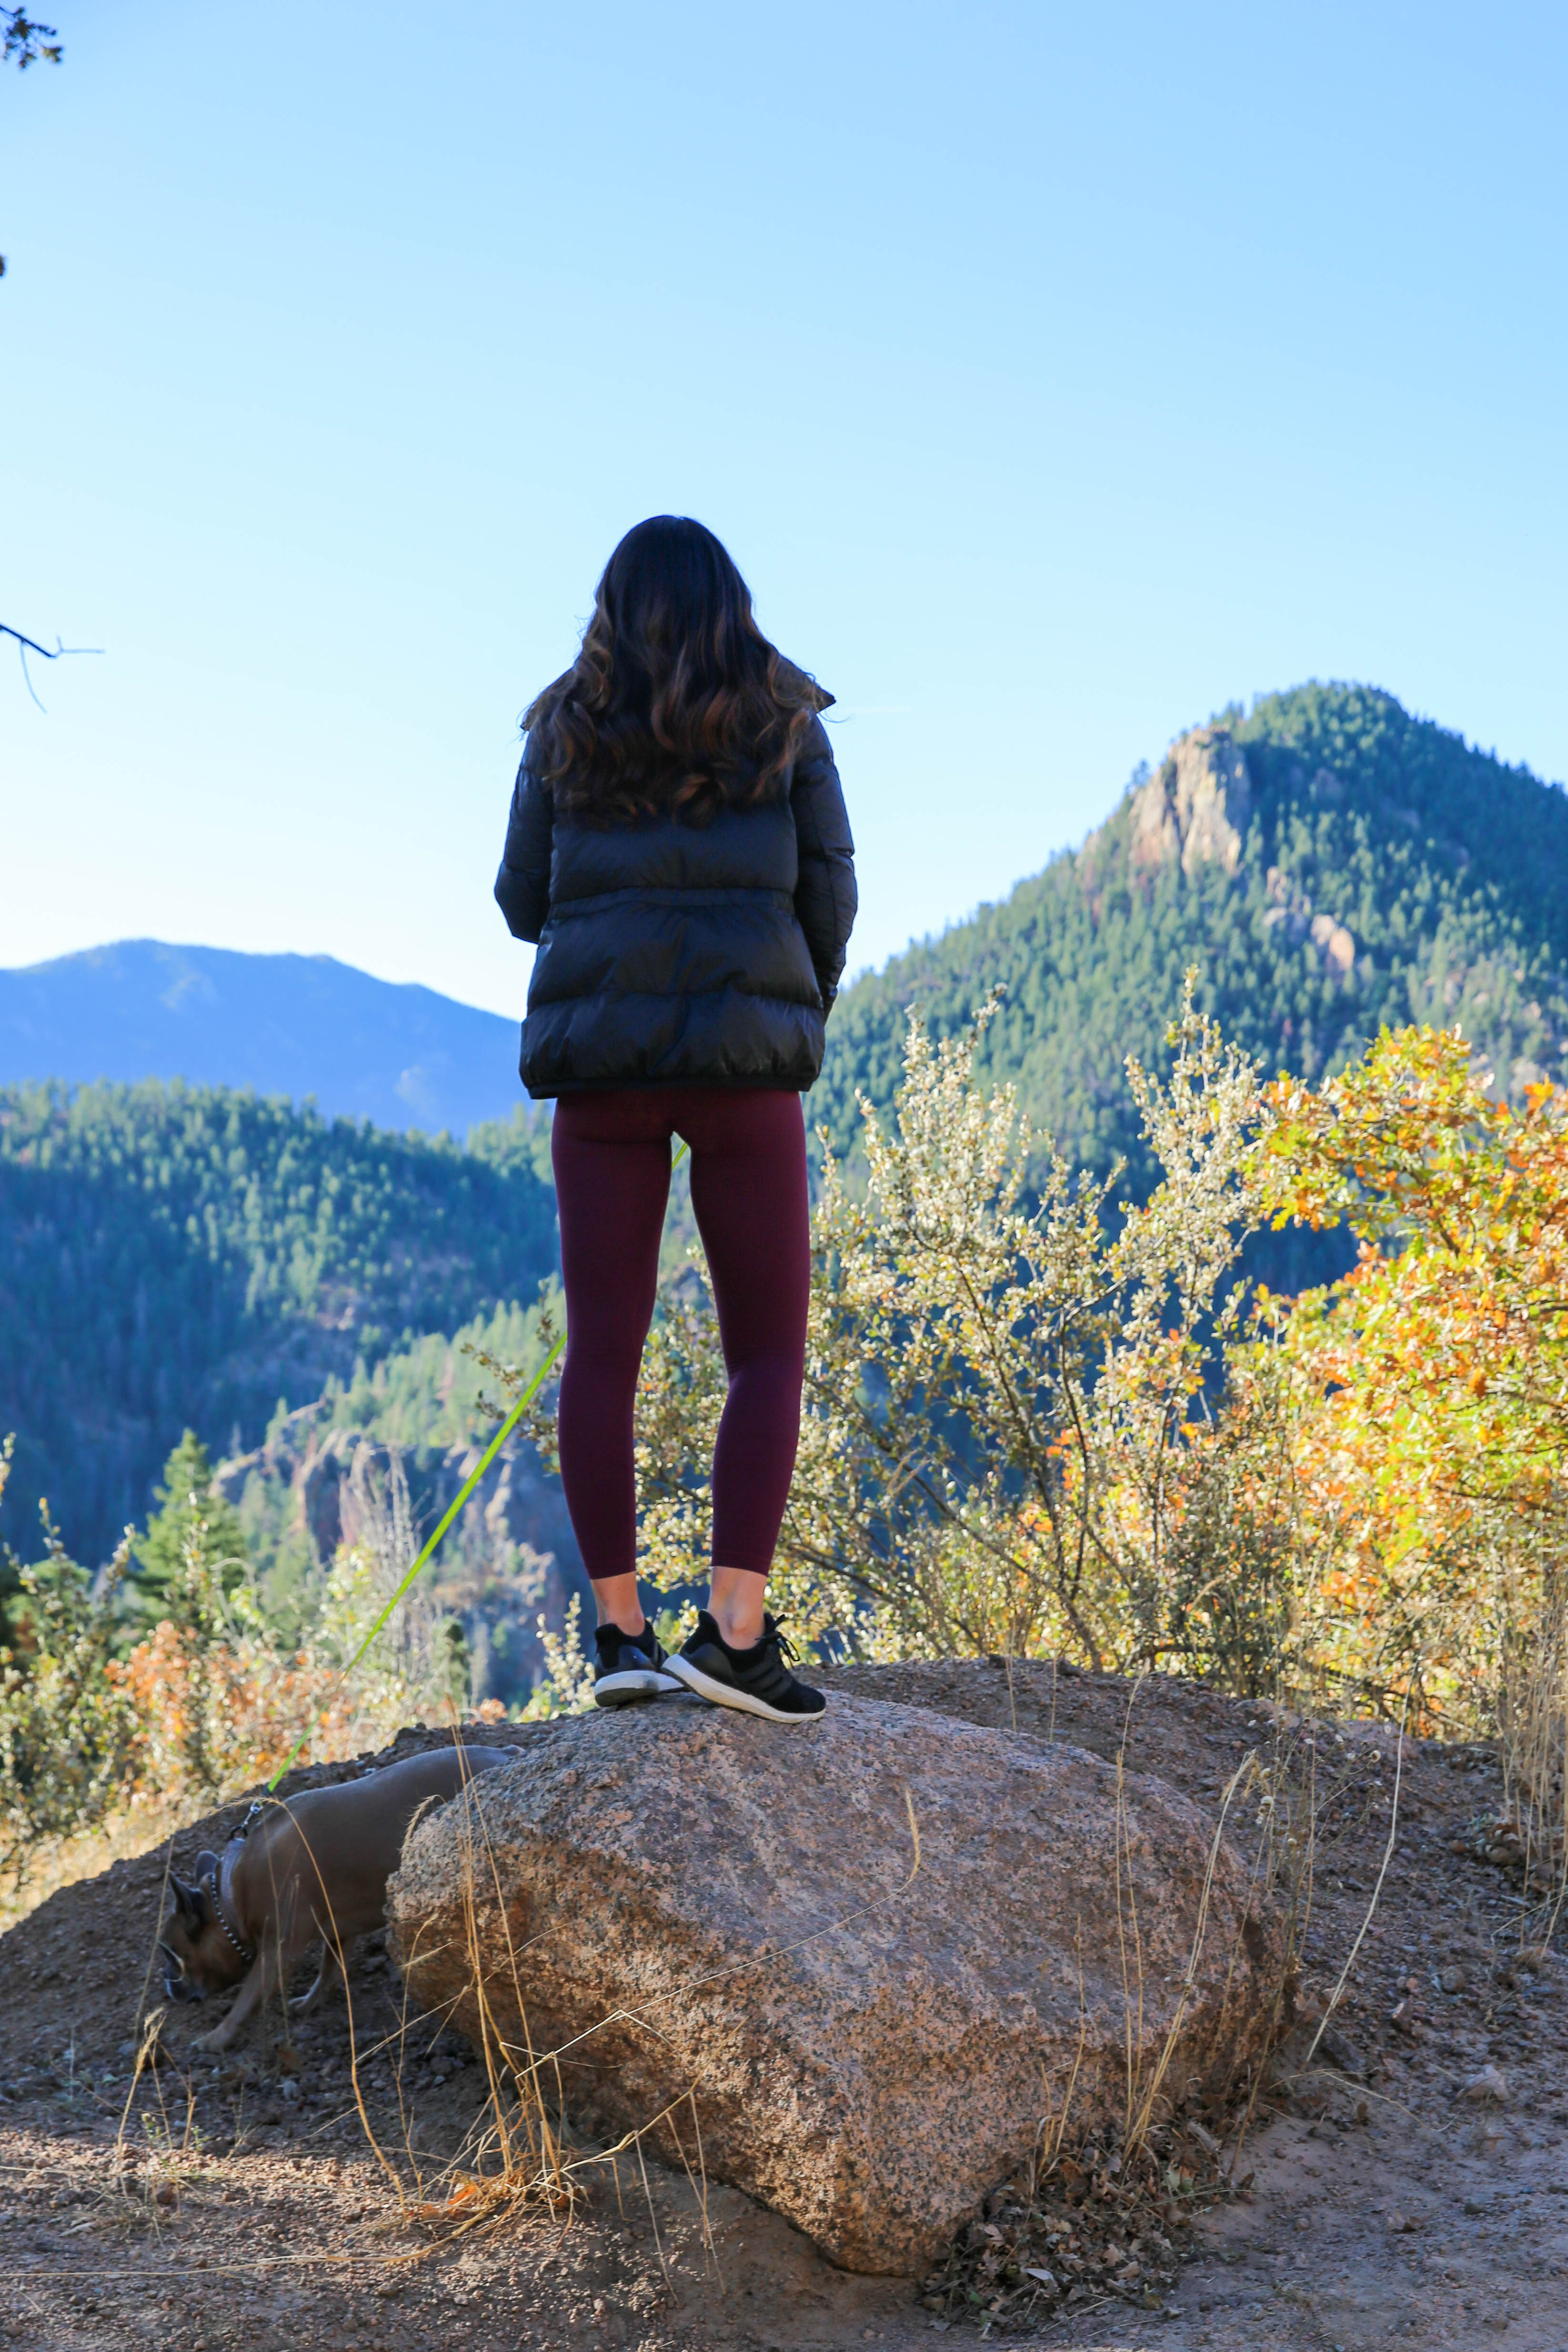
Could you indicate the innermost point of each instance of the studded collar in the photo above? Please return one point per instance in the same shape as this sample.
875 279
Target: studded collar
215 1887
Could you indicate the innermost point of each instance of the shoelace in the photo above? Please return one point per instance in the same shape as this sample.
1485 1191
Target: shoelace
782 1642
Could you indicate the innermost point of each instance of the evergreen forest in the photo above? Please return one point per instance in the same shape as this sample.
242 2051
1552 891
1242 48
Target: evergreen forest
199 1257
1440 872
183 1256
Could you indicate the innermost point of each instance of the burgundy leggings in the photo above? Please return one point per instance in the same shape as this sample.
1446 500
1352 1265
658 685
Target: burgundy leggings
611 1155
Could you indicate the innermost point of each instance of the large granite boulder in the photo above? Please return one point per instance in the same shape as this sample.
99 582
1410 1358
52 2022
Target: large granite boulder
677 1900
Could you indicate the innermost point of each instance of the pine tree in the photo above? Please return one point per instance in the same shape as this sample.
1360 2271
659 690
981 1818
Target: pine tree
188 1508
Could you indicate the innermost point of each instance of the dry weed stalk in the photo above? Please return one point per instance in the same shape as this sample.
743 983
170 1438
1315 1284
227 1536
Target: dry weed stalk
148 2189
520 2157
1532 1744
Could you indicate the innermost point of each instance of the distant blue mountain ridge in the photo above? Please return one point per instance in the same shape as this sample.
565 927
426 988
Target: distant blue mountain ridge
399 1056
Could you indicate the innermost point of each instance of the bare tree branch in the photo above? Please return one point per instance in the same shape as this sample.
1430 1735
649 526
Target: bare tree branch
25 646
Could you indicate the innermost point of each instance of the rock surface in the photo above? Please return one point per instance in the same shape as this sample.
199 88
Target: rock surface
688 1905
1195 806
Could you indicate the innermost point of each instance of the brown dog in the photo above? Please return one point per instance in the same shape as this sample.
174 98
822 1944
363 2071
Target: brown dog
303 1866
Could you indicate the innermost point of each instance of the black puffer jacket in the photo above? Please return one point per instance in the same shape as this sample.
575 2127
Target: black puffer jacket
675 955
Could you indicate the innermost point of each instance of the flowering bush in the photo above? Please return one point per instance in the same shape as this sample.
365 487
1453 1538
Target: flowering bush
995 1450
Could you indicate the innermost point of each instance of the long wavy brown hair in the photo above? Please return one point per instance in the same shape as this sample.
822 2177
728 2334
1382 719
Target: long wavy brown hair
676 703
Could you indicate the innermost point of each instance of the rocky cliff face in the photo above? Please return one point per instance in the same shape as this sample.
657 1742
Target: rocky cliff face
510 1557
1294 915
1194 811
1195 806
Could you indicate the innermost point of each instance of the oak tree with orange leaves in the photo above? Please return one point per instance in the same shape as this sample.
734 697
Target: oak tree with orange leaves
1439 1363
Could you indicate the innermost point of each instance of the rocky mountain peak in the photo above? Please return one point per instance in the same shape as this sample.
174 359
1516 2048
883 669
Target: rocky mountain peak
1195 806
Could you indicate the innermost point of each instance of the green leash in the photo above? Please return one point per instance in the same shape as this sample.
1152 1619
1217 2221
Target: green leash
486 1459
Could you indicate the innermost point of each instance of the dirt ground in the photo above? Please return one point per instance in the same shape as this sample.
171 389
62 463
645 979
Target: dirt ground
1397 2199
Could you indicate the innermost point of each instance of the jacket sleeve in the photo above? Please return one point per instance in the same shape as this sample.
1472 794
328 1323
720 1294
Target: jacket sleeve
522 885
825 895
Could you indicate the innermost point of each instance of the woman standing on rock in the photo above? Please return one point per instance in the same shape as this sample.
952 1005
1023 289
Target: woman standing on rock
679 849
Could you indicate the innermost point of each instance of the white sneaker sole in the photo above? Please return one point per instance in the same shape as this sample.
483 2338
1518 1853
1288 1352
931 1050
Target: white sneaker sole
726 1694
634 1683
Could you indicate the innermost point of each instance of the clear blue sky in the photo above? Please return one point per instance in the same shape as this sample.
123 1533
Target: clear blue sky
1055 374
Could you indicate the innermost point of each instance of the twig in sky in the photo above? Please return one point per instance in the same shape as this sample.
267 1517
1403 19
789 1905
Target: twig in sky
25 646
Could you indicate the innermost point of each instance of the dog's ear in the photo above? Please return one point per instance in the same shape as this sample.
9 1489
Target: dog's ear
189 1902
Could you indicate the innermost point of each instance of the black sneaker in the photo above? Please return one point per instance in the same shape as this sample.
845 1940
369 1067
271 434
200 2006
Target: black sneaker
629 1666
757 1680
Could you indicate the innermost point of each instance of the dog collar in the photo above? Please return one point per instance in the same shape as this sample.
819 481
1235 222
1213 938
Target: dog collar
244 1950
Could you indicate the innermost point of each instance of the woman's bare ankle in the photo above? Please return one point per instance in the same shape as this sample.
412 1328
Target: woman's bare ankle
617 1600
735 1606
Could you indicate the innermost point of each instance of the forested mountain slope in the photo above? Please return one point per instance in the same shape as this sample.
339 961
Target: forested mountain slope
1329 863
284 1024
175 1255
178 1254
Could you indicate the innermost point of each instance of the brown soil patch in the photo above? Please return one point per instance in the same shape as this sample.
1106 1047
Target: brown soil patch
1387 2207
